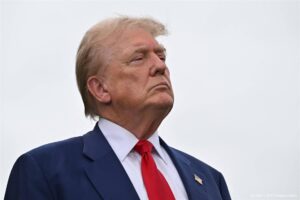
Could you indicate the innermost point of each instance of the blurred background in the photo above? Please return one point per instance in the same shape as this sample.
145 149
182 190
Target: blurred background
234 67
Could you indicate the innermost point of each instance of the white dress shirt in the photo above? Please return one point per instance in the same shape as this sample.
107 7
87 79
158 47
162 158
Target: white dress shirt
123 142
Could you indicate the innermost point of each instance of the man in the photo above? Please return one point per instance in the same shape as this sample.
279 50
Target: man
124 81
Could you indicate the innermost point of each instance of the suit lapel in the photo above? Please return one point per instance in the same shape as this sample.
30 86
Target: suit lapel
194 189
105 170
111 181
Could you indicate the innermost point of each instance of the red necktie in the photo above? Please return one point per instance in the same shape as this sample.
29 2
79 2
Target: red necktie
156 185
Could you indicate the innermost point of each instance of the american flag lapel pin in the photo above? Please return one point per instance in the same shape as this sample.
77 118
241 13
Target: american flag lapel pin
198 179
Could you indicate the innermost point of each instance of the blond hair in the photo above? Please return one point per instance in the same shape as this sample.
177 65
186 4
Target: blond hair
93 51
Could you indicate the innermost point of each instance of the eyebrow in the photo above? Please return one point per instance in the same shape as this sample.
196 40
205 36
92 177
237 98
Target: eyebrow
143 49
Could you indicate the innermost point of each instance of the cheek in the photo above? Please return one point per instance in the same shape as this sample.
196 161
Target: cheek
135 77
128 80
132 83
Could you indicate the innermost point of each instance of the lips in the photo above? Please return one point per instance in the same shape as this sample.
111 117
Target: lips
162 84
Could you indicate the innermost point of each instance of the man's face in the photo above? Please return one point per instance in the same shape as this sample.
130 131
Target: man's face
137 77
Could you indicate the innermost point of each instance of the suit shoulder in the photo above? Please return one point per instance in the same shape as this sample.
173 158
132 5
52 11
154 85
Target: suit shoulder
213 176
56 157
57 148
57 154
196 162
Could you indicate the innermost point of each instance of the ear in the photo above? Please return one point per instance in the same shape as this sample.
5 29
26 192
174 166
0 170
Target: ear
98 89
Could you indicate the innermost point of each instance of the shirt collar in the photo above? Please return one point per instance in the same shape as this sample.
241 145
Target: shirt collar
154 139
123 141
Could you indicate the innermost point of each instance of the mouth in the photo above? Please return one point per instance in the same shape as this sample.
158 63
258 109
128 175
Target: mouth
162 85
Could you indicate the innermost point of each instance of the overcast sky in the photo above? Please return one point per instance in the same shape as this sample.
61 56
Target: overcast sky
234 67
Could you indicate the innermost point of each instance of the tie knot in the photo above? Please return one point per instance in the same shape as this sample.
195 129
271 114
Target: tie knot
143 146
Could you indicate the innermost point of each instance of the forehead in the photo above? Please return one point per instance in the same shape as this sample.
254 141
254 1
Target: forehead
130 40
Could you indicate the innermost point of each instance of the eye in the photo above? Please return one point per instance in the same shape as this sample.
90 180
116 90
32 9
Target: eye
137 58
162 57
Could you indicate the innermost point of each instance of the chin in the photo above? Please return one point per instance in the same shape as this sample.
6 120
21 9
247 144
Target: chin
164 102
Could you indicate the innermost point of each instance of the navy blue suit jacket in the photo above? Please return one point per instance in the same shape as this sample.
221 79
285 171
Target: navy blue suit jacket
86 168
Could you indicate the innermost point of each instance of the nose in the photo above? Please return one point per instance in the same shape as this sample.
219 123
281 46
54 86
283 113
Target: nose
158 66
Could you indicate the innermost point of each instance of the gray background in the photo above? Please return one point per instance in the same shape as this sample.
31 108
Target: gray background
235 72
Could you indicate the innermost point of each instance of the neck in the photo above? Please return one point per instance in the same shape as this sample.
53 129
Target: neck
142 125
